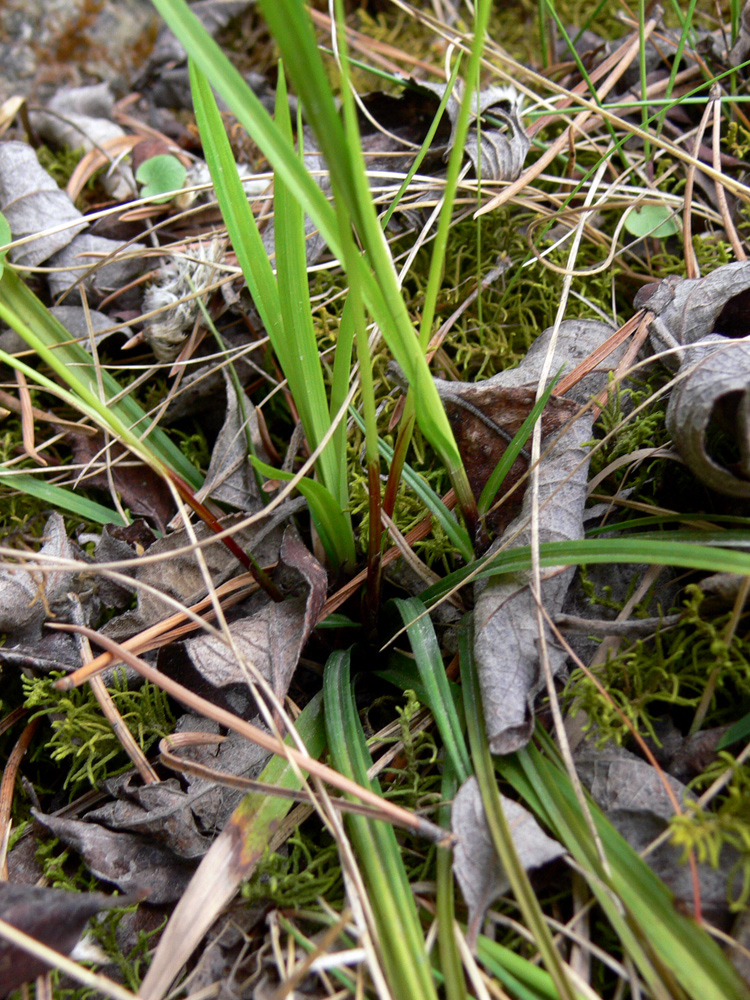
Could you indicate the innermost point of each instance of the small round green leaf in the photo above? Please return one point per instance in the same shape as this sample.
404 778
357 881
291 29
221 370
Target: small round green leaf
652 220
160 176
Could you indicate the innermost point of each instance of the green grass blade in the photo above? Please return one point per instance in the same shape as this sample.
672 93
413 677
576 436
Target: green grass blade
646 548
481 20
655 933
238 216
31 319
291 27
524 979
340 383
400 934
511 453
424 644
332 524
498 824
60 498
450 959
299 356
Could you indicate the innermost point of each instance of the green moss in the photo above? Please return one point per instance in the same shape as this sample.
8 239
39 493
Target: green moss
306 873
725 826
667 673
82 737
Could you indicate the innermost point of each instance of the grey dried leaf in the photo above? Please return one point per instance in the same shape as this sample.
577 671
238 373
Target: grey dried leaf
212 804
28 597
32 202
714 396
54 917
699 322
133 863
506 633
230 477
271 639
741 47
81 324
496 154
161 812
689 310
81 118
96 263
632 793
178 574
475 862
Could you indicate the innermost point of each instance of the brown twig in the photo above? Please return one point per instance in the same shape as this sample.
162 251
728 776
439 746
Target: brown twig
10 772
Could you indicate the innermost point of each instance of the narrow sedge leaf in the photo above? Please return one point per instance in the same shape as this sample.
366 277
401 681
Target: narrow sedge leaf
523 978
285 315
455 160
293 32
424 644
60 498
238 216
450 959
511 453
31 319
5 237
667 947
342 373
331 523
300 358
651 548
400 938
500 832
427 141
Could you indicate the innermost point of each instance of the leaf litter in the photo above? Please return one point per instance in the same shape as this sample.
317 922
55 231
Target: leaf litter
148 838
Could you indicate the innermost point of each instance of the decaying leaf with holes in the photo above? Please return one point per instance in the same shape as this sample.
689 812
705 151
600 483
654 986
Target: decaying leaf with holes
699 322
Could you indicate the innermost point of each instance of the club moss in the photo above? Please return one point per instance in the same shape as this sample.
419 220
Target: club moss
80 736
670 671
